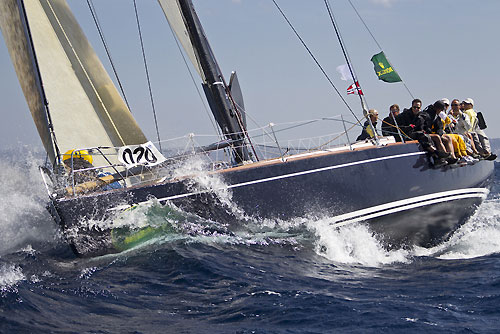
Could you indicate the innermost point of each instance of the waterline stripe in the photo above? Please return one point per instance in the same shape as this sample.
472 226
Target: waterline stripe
416 202
478 191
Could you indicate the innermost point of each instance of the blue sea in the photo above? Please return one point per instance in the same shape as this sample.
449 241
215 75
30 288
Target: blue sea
202 276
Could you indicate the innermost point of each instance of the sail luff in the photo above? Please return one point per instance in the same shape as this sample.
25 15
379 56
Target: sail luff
17 38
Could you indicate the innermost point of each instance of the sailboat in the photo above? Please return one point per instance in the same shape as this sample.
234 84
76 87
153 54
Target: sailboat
102 165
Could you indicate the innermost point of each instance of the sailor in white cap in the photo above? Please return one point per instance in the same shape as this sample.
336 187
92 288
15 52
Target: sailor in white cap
481 141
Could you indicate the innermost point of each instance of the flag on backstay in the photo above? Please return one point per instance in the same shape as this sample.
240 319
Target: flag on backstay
345 72
355 88
383 69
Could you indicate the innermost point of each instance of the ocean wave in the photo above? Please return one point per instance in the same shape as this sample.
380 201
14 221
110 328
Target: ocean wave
24 218
10 275
479 236
354 244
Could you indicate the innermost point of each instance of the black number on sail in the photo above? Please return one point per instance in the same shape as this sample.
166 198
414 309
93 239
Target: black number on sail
149 156
127 152
140 151
139 155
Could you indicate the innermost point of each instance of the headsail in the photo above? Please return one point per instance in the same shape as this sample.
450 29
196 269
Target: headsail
85 108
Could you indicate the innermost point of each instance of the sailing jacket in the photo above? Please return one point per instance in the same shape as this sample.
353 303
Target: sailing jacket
461 123
406 122
389 128
472 117
367 131
429 122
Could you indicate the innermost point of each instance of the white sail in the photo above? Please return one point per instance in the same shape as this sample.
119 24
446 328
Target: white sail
85 108
18 46
173 13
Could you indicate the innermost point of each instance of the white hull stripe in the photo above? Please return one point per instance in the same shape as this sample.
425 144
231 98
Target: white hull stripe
368 213
407 204
285 176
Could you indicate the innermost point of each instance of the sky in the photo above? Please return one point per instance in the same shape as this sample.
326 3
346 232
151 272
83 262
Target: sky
440 48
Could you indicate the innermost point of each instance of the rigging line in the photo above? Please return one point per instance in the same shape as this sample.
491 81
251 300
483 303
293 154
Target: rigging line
195 84
376 42
237 113
397 128
233 104
346 55
147 74
351 70
85 72
101 34
315 60
193 80
362 21
333 139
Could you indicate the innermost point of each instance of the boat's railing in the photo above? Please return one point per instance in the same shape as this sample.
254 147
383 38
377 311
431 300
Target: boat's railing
194 153
100 169
282 139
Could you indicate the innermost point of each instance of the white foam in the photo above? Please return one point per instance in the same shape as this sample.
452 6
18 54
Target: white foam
353 244
22 204
202 181
480 236
9 276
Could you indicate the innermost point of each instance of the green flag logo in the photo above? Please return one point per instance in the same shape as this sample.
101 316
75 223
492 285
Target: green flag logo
383 69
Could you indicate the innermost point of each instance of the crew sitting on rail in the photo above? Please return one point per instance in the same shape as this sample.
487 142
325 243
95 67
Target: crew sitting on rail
369 131
389 127
462 150
460 124
481 141
429 132
408 118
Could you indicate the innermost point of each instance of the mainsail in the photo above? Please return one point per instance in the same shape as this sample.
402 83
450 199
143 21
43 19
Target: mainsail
175 19
64 82
184 21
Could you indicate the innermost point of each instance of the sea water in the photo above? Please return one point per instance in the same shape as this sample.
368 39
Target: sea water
201 276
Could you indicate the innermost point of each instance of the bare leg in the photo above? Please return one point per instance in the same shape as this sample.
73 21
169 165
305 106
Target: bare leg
448 144
472 146
437 140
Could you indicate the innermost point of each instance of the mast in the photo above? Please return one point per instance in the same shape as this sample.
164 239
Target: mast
216 90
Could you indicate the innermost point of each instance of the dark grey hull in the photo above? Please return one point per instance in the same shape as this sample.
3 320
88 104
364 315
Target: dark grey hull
393 188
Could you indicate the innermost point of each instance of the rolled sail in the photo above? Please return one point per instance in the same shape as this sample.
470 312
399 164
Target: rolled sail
85 107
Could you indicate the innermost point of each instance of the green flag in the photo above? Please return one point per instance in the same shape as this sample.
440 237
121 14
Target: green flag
383 69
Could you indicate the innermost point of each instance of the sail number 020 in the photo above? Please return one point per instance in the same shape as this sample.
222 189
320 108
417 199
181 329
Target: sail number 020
138 155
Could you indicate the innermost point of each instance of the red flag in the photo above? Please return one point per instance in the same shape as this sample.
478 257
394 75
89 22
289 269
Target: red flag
353 90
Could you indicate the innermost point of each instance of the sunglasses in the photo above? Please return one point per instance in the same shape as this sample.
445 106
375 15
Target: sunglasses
455 104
